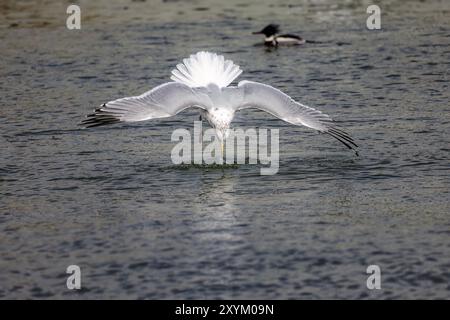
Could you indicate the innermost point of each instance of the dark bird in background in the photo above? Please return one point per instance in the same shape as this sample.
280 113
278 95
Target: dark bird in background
273 39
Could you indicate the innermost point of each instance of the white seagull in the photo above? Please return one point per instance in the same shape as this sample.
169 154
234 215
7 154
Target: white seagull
202 81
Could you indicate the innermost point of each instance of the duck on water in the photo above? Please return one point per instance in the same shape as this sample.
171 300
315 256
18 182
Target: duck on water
273 38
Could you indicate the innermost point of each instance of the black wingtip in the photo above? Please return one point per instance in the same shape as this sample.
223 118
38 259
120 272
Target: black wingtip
343 138
98 118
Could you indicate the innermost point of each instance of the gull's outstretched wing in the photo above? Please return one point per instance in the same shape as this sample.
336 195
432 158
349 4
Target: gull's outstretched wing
275 102
163 101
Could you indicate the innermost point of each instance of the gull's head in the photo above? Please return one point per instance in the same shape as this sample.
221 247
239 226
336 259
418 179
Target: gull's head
220 119
222 133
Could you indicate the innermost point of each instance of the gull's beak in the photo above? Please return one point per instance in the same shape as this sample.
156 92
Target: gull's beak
257 32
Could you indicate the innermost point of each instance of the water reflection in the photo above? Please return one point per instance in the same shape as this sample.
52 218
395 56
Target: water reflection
111 197
216 209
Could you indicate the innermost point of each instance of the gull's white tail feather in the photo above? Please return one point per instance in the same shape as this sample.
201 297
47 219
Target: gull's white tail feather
204 68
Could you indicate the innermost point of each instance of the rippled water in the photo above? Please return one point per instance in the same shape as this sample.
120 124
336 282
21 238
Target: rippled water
111 201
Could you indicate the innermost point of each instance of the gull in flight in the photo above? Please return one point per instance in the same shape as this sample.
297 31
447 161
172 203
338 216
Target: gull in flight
202 81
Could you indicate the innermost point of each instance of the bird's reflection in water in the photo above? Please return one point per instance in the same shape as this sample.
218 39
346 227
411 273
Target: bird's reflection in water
218 230
216 209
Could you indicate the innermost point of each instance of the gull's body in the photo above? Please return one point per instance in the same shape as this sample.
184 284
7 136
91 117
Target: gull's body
203 81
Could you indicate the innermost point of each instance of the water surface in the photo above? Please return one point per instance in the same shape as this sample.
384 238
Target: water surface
111 201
